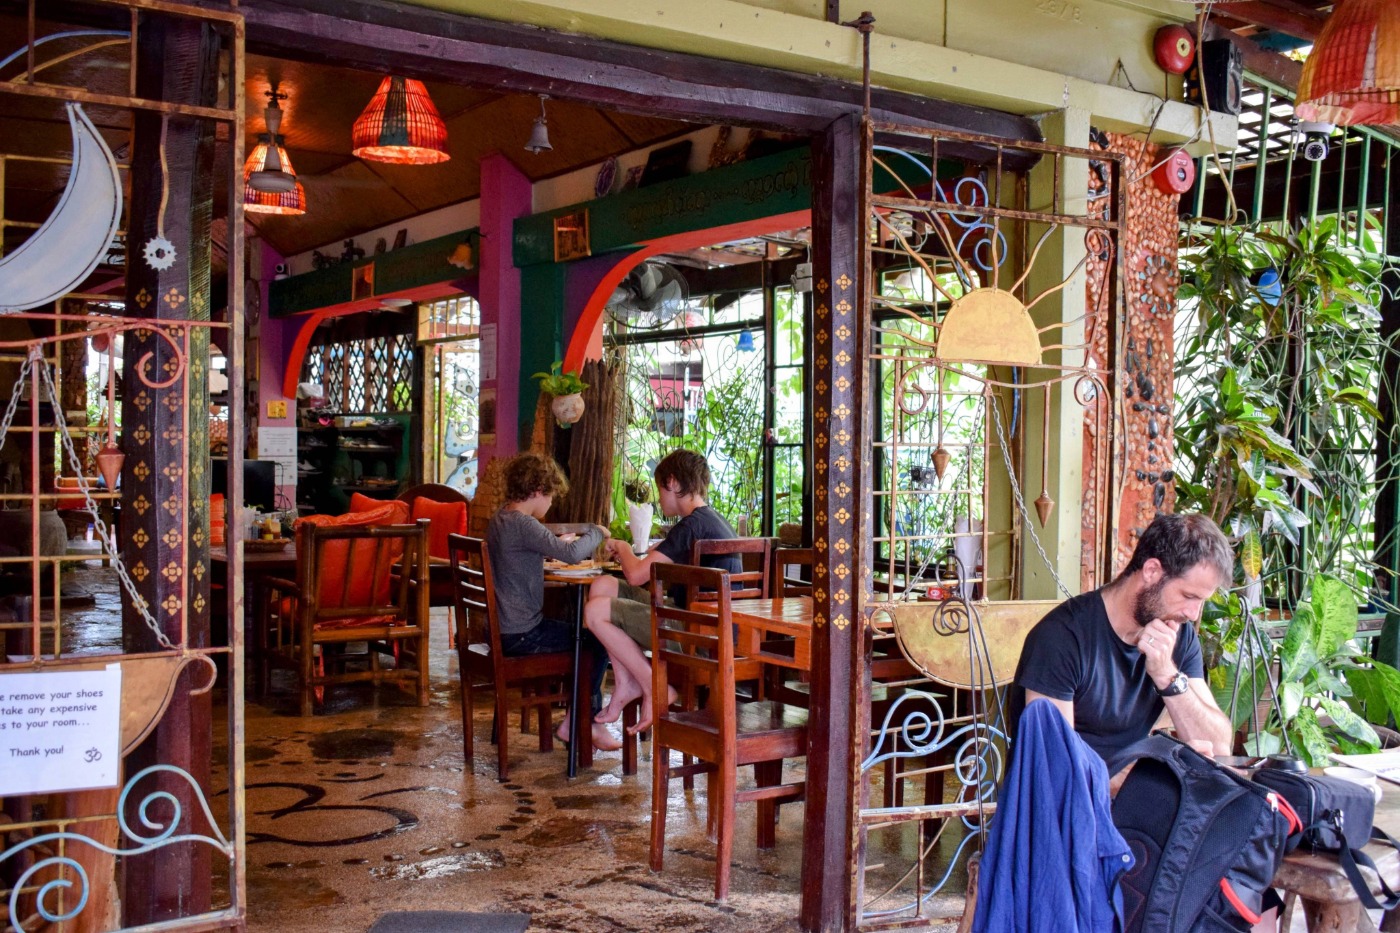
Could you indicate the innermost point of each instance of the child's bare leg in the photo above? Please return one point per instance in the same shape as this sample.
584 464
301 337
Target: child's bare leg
631 670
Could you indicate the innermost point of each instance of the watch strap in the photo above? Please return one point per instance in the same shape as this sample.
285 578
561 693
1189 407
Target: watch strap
1179 685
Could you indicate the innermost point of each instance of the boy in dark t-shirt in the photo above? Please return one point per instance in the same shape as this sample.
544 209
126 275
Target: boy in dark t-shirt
618 613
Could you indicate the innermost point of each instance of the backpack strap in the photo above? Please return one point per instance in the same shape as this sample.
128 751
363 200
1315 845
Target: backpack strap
1350 858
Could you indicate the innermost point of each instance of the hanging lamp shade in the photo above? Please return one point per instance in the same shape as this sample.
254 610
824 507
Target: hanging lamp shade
290 200
1352 75
401 125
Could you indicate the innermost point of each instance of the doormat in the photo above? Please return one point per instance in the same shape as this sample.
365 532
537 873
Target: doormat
449 921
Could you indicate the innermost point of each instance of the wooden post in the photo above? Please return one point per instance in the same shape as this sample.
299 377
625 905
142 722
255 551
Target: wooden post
841 571
165 435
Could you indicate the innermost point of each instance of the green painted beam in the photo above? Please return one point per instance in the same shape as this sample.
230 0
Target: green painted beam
398 270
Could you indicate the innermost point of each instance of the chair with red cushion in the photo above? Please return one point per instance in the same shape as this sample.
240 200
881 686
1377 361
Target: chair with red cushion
448 512
359 580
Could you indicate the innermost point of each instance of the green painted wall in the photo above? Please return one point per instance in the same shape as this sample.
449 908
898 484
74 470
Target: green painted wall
541 334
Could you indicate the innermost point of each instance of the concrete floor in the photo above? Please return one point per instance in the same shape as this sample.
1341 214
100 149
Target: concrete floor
368 808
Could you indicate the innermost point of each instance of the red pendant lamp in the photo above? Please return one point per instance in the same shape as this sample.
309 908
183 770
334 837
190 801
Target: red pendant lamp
270 184
401 125
1352 75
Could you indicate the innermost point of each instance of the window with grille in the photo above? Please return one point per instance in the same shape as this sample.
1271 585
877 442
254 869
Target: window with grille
370 373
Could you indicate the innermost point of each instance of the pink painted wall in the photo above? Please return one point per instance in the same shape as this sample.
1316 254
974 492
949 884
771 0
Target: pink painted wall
505 195
274 341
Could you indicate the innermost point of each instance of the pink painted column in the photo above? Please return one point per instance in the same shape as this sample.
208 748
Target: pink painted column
505 195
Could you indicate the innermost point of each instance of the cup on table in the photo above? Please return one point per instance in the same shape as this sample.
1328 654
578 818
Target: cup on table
1356 776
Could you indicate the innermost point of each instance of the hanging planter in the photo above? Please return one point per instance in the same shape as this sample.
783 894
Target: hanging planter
567 406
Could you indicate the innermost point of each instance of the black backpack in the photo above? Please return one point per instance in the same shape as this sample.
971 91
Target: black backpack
1206 842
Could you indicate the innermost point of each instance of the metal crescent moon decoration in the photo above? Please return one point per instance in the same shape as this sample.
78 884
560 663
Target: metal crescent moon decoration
75 237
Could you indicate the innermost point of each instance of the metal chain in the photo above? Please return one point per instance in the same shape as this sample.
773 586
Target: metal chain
995 406
109 540
15 393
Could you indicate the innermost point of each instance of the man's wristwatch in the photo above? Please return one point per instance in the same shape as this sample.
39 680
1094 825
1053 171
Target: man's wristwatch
1179 685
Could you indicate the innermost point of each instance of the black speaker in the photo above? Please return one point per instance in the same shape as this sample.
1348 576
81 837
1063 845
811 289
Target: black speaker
1220 67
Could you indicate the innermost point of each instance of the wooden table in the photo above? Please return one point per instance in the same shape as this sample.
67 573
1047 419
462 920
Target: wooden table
1328 899
761 619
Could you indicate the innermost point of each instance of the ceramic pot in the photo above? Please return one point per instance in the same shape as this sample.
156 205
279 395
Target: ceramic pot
567 408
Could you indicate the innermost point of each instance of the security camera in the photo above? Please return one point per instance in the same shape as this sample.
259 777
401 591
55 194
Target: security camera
1314 146
282 270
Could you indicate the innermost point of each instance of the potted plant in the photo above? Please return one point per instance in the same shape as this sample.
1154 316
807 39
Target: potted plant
566 389
637 492
1327 690
1278 369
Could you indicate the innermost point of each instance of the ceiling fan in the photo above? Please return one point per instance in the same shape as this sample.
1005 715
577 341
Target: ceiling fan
652 296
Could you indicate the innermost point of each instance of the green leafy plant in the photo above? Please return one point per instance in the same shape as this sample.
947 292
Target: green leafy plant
558 383
1328 690
1280 361
1277 389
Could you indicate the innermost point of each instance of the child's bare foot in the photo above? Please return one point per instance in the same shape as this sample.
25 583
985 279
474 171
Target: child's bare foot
617 702
604 739
644 721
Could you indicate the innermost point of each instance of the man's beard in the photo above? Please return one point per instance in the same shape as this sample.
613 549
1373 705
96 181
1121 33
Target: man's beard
1148 605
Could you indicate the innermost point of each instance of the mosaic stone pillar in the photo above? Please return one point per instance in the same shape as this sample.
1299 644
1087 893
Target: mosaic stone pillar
165 435
1149 246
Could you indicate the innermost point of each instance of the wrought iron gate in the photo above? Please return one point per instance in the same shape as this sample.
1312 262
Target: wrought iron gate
971 370
61 851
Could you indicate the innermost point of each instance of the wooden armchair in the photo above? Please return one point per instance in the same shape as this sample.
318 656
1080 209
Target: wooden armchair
540 679
726 734
349 590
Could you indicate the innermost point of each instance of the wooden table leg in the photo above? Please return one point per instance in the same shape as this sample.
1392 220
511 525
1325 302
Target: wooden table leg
1331 917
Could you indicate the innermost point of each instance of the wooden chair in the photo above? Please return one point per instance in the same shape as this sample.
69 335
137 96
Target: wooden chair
726 734
779 583
440 587
752 581
540 679
348 591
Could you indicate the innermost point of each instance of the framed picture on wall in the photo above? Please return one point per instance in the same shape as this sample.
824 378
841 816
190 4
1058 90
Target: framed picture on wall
362 282
401 238
571 236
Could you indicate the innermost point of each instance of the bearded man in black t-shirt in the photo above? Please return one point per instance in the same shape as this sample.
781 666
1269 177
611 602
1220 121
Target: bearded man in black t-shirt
1112 660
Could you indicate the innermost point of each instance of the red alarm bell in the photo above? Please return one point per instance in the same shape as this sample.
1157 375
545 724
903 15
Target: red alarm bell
1174 48
1176 175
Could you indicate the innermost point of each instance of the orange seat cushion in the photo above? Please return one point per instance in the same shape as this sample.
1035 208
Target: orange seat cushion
446 518
363 503
348 573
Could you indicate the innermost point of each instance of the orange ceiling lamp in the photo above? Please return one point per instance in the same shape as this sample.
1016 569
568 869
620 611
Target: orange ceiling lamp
401 125
270 184
290 202
1352 75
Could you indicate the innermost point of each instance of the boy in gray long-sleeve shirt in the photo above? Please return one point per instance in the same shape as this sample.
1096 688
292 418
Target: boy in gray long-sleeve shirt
519 544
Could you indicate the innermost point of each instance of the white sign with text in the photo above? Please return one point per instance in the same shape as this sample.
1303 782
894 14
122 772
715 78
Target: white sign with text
60 730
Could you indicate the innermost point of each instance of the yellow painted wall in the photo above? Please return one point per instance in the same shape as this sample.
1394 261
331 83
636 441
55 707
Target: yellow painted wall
1020 56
